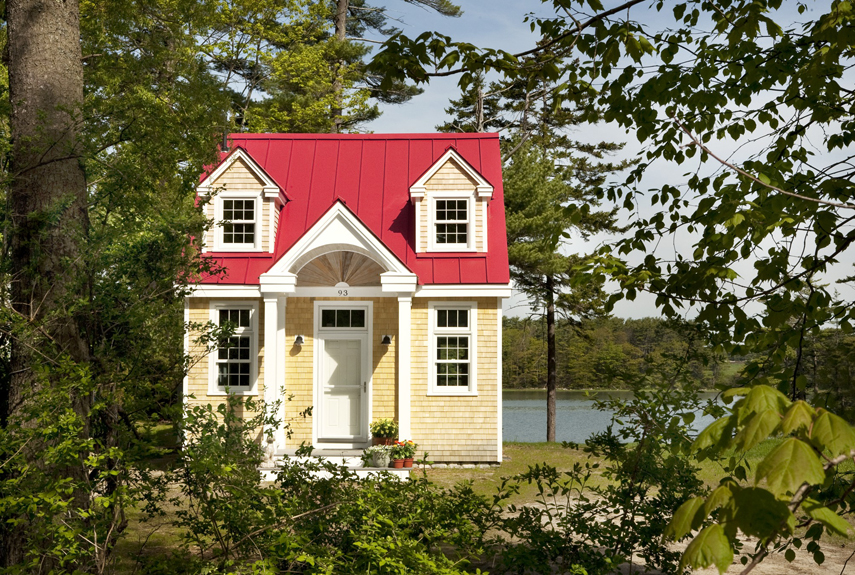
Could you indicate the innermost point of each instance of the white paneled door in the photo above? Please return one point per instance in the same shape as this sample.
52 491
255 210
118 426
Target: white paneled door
343 390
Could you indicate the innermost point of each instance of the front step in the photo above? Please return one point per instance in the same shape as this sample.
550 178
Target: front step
349 458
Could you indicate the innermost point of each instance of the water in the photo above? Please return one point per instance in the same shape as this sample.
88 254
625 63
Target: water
524 415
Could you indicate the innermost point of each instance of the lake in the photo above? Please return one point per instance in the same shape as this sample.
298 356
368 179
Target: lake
524 415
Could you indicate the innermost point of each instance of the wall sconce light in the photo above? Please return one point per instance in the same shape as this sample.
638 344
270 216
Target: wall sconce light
298 340
387 340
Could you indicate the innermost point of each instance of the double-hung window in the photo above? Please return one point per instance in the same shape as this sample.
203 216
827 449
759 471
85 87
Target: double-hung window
452 348
234 362
451 223
239 222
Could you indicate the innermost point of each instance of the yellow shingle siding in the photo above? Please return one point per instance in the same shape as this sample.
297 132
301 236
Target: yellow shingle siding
449 428
457 428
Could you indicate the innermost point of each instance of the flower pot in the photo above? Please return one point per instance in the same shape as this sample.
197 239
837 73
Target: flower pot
380 460
408 462
398 463
383 441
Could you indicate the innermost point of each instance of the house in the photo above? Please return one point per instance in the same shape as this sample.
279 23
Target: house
365 277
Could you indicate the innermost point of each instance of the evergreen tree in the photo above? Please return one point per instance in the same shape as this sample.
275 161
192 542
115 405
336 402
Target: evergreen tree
551 182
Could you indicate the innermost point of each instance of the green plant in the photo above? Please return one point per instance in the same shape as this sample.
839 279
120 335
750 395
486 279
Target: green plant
368 454
797 484
386 428
404 449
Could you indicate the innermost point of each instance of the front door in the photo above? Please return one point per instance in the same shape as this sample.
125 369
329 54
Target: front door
343 389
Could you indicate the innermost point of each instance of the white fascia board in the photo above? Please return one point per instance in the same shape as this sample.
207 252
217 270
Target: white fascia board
483 187
224 291
338 229
464 290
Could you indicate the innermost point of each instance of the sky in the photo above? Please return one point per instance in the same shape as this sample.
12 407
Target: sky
500 24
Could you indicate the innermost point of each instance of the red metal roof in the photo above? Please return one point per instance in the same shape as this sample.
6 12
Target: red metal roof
372 175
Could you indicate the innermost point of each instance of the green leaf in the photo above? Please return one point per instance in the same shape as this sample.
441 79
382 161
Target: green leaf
710 547
799 415
717 435
765 398
720 497
833 433
759 514
788 466
758 428
686 519
827 517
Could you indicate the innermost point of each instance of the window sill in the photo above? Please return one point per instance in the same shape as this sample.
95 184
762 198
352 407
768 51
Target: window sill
439 393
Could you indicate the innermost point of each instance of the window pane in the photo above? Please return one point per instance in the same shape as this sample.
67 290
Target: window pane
342 318
463 318
357 318
328 318
244 318
441 318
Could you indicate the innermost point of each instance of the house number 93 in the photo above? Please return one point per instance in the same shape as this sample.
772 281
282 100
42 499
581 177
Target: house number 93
342 292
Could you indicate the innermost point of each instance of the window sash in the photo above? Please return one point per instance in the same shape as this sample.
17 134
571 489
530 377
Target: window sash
451 222
239 221
234 357
453 343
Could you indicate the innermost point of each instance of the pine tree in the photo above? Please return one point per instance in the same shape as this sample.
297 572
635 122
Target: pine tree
550 183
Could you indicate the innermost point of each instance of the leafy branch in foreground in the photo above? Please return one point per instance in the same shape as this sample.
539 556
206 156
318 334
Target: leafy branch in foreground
798 485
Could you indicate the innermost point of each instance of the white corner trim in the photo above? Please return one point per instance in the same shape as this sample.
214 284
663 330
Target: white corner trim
499 348
185 385
482 186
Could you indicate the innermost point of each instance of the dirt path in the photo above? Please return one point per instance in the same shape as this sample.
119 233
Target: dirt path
836 557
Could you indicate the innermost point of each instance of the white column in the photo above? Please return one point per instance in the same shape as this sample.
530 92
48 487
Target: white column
403 347
271 349
280 373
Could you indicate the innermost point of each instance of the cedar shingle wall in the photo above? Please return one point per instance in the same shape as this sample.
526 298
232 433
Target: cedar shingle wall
453 428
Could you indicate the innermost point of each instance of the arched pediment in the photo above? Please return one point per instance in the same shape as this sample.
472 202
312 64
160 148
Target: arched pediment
340 267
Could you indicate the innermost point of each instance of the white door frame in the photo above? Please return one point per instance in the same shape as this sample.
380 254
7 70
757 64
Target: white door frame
365 336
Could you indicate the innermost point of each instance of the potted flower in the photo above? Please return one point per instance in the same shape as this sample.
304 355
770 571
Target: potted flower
384 431
377 456
403 453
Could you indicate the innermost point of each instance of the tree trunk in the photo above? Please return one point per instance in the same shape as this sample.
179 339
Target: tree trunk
47 202
340 22
551 359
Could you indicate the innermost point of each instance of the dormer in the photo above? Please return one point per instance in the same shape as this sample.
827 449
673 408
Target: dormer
244 207
450 201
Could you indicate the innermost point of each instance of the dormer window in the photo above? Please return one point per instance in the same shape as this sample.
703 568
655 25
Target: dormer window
239 223
452 223
450 203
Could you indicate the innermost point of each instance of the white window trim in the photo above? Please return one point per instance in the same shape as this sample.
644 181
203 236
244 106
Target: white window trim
219 228
469 246
213 387
471 332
